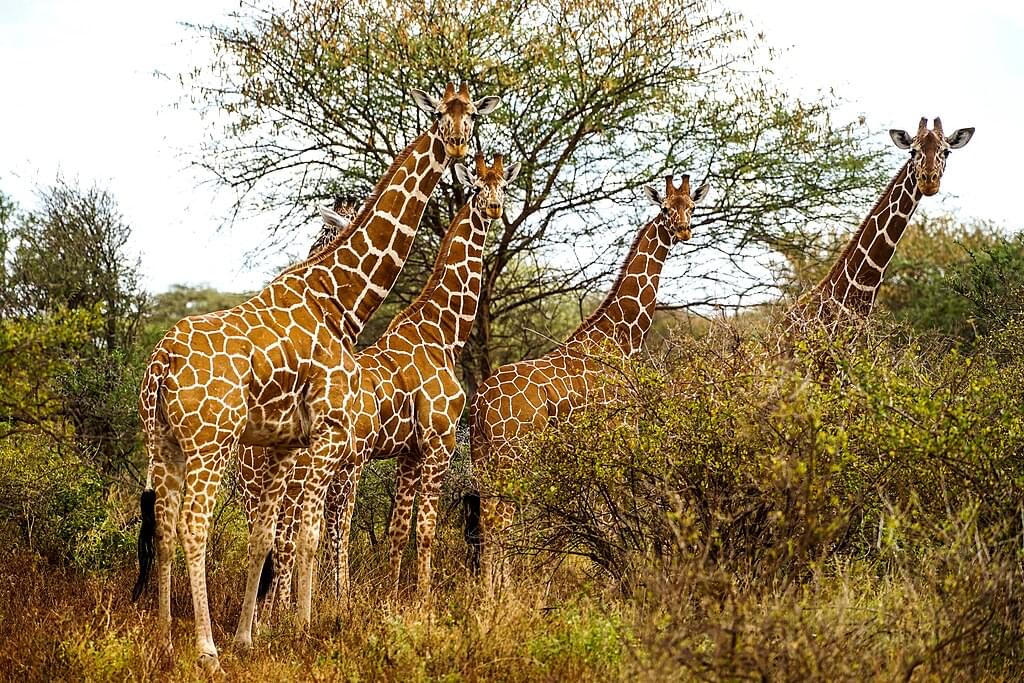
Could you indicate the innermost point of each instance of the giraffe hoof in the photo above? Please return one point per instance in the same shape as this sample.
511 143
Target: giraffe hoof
209 664
243 645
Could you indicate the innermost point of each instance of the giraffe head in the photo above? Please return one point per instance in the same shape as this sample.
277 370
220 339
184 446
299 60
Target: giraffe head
340 212
487 185
928 151
677 204
455 113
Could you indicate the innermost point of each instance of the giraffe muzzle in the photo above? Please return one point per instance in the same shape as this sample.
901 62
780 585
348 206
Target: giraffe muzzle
683 235
493 211
457 148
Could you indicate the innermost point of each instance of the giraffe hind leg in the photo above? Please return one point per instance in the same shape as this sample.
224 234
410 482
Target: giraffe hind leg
167 476
204 469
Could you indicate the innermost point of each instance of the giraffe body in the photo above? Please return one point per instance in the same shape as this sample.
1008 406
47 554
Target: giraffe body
522 398
410 401
278 371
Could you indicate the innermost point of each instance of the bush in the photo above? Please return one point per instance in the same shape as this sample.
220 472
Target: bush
714 453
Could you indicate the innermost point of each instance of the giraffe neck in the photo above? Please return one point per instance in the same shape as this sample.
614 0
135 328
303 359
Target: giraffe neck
626 314
358 268
449 298
853 282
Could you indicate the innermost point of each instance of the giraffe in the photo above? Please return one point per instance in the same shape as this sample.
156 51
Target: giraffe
411 399
850 288
524 397
278 371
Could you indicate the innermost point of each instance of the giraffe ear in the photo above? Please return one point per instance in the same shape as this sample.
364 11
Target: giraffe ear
511 173
901 138
701 193
485 105
652 195
463 175
425 101
960 138
331 217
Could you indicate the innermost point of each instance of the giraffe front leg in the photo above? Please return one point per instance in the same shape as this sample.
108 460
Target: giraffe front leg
401 517
437 451
341 506
261 536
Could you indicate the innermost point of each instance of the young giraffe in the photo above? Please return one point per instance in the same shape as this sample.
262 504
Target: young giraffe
850 288
278 371
524 397
411 398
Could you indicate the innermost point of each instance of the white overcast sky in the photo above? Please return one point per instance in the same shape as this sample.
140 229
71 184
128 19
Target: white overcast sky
79 98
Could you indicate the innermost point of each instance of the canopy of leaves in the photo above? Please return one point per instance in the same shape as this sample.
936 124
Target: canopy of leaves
600 97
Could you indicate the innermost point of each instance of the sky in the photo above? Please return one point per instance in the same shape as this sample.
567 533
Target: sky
83 97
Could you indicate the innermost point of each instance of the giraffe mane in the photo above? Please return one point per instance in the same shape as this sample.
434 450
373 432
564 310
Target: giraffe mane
855 238
364 214
437 273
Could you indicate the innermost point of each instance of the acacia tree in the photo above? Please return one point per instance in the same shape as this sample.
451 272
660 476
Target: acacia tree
599 98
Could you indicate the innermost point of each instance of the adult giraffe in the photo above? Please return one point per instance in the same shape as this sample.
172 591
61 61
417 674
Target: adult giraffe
850 288
278 371
411 398
524 397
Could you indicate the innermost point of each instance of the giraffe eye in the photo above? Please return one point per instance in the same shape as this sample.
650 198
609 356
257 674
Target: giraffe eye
945 153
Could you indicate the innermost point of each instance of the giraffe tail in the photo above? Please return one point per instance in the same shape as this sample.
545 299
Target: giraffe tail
266 577
471 528
147 552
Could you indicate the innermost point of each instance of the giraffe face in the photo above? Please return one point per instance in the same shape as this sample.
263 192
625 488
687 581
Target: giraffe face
455 114
677 204
488 184
928 152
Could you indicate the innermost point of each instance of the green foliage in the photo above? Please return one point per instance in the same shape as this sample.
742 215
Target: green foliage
34 353
67 259
714 452
59 507
992 283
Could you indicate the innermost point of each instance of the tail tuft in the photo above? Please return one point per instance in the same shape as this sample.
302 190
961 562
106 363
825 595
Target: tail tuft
266 577
147 533
471 528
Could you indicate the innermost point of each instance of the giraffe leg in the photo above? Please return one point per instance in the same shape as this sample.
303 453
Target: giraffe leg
496 516
261 536
488 542
437 451
203 477
325 460
168 475
401 516
342 506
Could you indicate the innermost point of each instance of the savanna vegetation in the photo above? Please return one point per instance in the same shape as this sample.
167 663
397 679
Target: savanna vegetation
854 511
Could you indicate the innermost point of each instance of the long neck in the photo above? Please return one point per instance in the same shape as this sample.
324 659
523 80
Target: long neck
626 314
852 284
449 298
358 268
